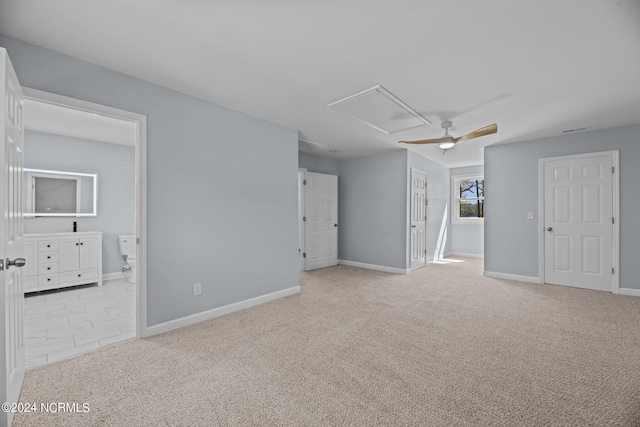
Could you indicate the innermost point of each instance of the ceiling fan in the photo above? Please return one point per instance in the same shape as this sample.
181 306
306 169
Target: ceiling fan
447 141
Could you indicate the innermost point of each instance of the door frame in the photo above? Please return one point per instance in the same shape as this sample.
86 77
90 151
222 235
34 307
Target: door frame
140 121
302 176
426 214
615 154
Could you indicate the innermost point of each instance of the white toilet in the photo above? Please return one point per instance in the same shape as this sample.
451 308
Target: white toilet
127 244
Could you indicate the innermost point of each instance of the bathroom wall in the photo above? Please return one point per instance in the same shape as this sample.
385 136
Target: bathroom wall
115 166
221 186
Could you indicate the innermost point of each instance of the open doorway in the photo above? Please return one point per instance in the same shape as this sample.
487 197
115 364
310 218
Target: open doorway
86 282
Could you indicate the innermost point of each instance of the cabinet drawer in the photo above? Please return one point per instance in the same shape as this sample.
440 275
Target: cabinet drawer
47 245
47 257
48 279
30 284
79 276
48 268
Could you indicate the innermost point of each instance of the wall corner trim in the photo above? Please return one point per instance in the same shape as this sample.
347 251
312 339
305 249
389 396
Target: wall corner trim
629 291
217 312
517 278
383 268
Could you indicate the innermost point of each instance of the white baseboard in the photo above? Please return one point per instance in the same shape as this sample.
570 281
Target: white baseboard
629 291
112 276
517 278
463 254
217 312
374 267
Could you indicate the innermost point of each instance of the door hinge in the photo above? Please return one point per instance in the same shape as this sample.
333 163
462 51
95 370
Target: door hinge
613 220
426 202
304 182
613 169
613 270
304 255
304 219
1 264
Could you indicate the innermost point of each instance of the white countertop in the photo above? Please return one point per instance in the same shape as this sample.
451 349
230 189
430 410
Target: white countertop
69 233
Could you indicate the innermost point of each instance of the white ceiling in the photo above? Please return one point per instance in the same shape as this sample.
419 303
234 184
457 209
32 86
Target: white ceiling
535 68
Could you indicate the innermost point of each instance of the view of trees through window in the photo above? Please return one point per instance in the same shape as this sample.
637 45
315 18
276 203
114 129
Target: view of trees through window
471 198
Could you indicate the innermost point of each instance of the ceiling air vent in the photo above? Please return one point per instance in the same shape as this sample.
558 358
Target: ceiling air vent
310 147
380 109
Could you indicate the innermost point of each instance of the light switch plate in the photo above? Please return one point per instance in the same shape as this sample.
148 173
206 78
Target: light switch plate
529 215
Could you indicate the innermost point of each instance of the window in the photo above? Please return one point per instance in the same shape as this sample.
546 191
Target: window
467 199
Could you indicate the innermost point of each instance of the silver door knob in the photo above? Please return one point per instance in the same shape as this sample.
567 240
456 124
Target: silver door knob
549 229
18 262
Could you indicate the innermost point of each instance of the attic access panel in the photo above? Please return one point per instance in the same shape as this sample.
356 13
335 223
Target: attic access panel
380 109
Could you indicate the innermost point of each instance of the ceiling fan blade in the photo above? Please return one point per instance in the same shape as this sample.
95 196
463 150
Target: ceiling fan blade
487 130
426 141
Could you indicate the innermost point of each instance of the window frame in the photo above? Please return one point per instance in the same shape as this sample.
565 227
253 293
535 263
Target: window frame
455 199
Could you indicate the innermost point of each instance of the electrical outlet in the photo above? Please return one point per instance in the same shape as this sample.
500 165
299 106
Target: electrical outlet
197 289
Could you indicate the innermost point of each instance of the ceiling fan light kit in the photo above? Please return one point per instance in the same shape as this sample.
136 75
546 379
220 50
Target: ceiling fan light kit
447 141
446 145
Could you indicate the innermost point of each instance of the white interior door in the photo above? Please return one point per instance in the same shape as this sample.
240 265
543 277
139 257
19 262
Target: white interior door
12 305
578 222
321 224
418 240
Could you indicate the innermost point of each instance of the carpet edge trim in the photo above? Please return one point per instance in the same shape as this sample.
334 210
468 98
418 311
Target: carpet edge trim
219 311
516 277
383 268
629 291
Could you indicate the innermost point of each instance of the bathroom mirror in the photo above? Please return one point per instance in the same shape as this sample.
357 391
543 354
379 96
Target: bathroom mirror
58 193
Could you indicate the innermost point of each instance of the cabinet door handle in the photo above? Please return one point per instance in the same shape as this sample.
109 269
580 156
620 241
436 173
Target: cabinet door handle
48 268
79 275
48 280
76 244
49 257
48 246
81 243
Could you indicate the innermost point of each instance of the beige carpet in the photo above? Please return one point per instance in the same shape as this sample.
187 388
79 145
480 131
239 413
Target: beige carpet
441 347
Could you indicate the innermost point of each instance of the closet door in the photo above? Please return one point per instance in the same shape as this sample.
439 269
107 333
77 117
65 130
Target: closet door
321 224
418 230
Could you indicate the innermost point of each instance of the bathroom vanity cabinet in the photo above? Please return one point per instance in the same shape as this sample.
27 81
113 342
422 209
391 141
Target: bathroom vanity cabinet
59 260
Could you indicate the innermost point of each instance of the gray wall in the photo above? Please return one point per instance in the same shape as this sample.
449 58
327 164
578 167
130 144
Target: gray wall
222 197
313 163
115 166
511 176
374 203
372 209
467 238
438 210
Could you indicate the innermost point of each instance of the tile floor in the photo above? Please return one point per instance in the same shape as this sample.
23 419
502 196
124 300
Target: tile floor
61 323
